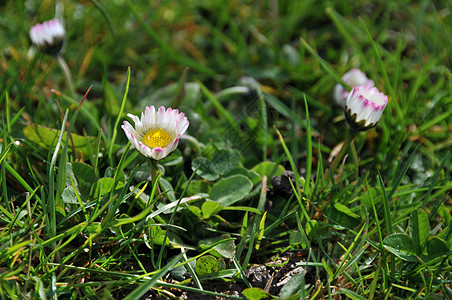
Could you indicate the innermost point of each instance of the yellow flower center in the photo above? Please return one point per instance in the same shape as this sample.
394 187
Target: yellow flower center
157 138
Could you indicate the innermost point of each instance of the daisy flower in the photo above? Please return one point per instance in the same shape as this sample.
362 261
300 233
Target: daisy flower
48 36
354 77
364 107
156 133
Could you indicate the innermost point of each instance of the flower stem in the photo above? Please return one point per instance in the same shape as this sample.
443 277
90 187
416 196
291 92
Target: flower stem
67 74
355 157
352 134
154 177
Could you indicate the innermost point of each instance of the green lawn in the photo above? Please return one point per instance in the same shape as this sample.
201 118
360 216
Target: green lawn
258 201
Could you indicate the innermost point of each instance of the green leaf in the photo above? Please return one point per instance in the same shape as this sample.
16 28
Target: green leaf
401 245
295 238
437 246
85 176
94 228
252 175
69 196
366 197
195 210
260 233
419 229
311 226
225 249
173 160
157 235
174 163
293 286
343 215
196 187
327 269
105 185
210 208
224 160
47 138
206 170
256 294
345 210
167 189
207 264
229 190
269 169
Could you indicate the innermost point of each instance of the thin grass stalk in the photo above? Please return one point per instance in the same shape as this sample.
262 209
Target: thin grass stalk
115 128
355 157
61 179
159 259
50 202
106 16
264 123
308 150
252 236
388 220
293 132
347 253
141 290
326 66
297 190
5 150
351 135
241 271
132 278
220 109
67 74
402 173
192 271
339 22
385 74
85 113
434 180
181 90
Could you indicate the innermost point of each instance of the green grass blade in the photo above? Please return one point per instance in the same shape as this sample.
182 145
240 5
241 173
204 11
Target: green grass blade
340 23
402 173
325 65
106 16
383 71
115 128
219 107
434 180
308 150
141 290
283 109
50 203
